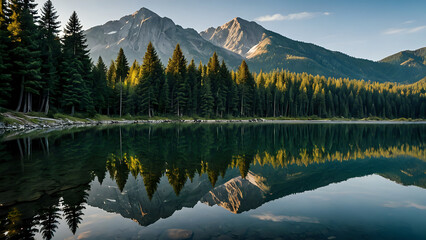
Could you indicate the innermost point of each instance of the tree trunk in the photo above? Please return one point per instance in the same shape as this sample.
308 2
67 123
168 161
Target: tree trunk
21 95
274 103
242 102
43 100
25 103
30 102
46 109
72 110
178 108
286 109
121 96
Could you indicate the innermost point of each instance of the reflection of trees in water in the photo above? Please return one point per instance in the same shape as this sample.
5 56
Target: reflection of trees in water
179 152
25 220
188 150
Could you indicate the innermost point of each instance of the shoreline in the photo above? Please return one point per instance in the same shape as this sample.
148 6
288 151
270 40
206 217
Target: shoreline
44 123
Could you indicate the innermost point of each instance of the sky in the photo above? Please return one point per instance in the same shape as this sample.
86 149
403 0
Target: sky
369 29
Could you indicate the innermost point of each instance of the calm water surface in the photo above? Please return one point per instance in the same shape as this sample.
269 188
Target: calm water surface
225 181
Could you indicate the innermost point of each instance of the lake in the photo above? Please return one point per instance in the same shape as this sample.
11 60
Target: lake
215 181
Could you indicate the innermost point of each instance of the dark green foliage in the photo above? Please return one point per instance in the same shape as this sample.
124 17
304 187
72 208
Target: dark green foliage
50 53
24 53
5 76
177 78
121 72
206 104
247 85
100 90
76 68
152 84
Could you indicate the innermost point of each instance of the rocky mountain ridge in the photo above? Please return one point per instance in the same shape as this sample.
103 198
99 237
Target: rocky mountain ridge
235 41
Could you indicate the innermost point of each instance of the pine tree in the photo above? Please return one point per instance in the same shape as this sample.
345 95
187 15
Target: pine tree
177 78
100 91
76 68
194 82
133 76
247 86
164 100
111 79
122 70
5 76
73 85
151 81
213 68
206 105
51 51
224 80
25 53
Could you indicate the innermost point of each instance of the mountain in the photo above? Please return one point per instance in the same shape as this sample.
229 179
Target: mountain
240 39
416 58
238 36
266 50
134 32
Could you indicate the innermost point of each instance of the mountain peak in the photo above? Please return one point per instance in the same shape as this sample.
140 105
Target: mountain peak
145 12
134 31
237 35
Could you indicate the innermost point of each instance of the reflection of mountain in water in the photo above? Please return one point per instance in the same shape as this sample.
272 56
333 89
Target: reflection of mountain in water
133 202
153 171
238 194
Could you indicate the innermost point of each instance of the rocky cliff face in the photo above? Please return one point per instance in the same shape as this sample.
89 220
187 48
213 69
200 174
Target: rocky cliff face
134 32
237 35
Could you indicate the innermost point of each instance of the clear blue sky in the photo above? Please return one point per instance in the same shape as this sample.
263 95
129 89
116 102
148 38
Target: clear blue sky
371 29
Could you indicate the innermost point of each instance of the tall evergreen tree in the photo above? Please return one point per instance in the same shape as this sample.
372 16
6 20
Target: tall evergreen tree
177 78
194 82
216 82
76 68
51 52
206 105
5 76
100 91
151 81
224 91
247 86
111 79
122 70
25 53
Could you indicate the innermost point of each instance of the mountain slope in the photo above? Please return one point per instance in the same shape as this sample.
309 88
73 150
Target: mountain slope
134 32
416 58
237 35
267 50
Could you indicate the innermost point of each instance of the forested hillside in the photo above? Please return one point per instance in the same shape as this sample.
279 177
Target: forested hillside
41 71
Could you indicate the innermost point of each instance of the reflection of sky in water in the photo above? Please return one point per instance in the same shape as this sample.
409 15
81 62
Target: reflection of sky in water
370 206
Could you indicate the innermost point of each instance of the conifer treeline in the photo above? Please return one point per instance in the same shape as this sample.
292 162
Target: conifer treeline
42 72
213 90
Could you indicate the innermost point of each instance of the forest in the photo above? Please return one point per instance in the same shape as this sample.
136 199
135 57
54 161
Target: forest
45 71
